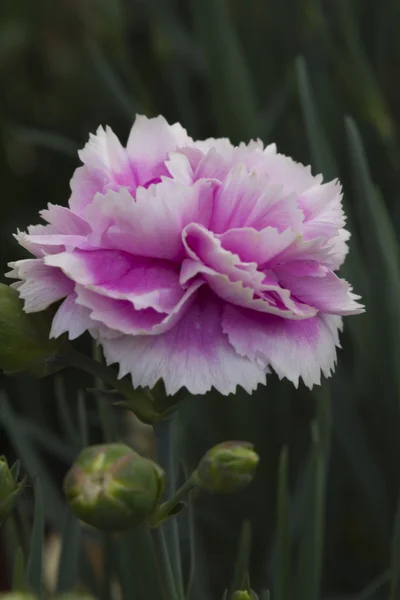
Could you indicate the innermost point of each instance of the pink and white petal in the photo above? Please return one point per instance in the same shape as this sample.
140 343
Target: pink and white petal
65 221
323 211
85 184
121 316
179 167
329 294
145 282
203 246
152 226
103 154
293 349
71 318
338 249
304 250
37 249
256 246
213 165
56 242
195 354
222 145
41 285
284 171
248 200
149 143
271 298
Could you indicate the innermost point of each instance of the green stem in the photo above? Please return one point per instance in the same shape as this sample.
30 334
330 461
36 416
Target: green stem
168 506
138 403
164 565
165 453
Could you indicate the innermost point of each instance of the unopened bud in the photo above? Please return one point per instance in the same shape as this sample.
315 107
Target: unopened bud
111 487
227 467
24 338
9 489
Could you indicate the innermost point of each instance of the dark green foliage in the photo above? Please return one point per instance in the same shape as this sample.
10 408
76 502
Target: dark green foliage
321 78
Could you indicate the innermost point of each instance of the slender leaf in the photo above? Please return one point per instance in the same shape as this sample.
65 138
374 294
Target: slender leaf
283 567
323 159
243 558
31 460
82 420
19 582
395 574
70 554
136 565
230 82
35 558
380 246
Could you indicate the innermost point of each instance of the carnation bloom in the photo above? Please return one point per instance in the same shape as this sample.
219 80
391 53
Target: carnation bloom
195 262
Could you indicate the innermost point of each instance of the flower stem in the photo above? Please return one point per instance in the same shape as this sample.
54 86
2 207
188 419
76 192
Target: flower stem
140 404
164 565
165 455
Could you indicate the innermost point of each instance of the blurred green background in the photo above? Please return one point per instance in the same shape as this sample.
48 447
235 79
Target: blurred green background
321 79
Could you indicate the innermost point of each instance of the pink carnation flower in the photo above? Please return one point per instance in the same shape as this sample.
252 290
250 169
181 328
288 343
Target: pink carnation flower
197 262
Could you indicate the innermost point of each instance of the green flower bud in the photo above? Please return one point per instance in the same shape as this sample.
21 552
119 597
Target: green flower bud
9 489
244 595
111 487
227 467
24 338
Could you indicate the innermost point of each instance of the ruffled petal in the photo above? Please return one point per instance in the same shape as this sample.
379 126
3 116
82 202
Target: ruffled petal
270 298
248 200
71 318
327 293
40 285
293 349
65 221
152 226
149 143
195 354
122 317
145 282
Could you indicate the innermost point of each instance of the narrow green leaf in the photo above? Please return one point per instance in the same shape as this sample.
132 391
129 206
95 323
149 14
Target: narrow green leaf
230 83
309 565
198 585
369 592
45 139
15 469
136 565
35 558
381 248
242 558
70 552
395 575
44 438
362 83
106 414
31 460
322 157
109 564
283 567
82 420
19 582
64 410
123 100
